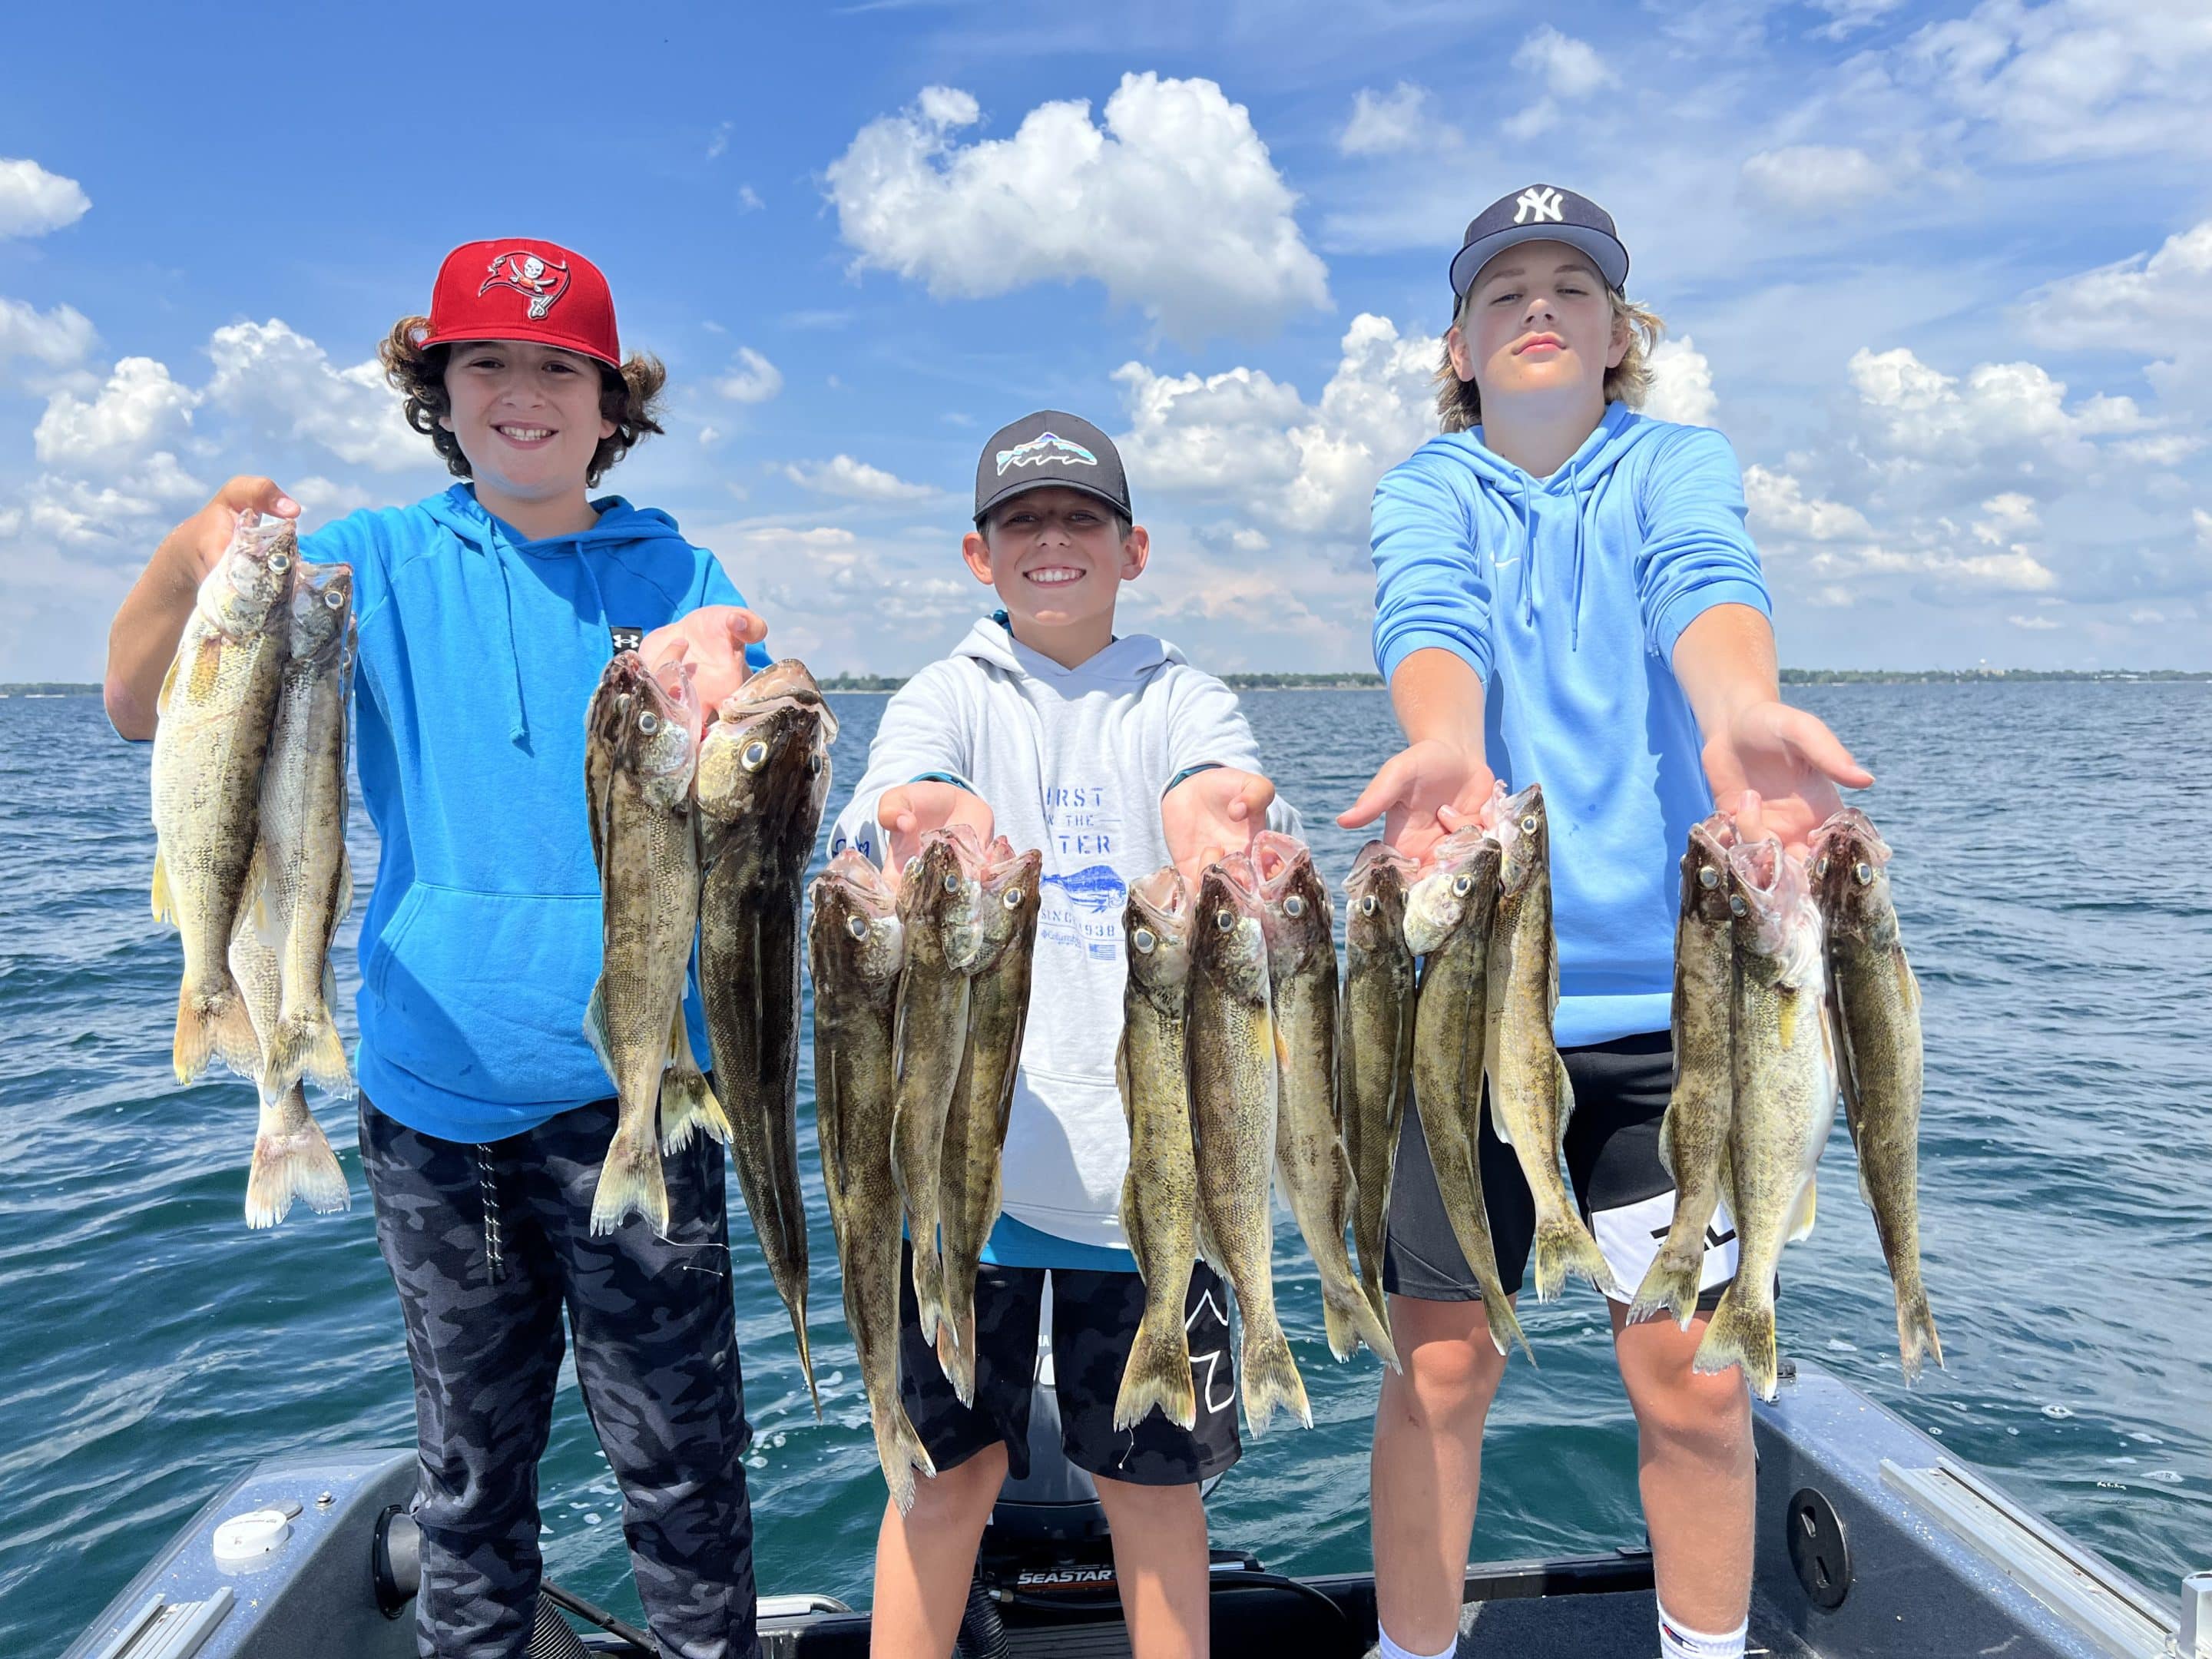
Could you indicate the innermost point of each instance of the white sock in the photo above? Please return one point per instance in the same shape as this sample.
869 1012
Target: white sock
1389 1649
1678 1641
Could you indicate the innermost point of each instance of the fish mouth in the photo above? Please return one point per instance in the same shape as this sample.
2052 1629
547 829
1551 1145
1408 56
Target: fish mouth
1376 857
1164 894
1277 861
1850 829
1002 867
786 683
856 879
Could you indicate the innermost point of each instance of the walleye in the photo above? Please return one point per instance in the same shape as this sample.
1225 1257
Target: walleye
216 709
1694 1135
1231 1043
763 774
1530 1098
1309 1157
983 1093
856 946
939 898
1448 915
1785 1096
1159 1195
292 1158
1375 1046
1877 1006
640 748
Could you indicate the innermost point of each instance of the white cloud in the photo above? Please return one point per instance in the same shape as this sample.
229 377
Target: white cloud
1173 205
2037 623
751 379
1816 178
1389 123
34 200
2203 521
1780 506
270 371
57 339
2150 304
1681 383
139 409
749 199
719 141
2010 514
1921 417
842 475
1570 68
1847 17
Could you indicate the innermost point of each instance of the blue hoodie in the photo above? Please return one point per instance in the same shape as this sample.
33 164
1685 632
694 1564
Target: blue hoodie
479 653
1567 594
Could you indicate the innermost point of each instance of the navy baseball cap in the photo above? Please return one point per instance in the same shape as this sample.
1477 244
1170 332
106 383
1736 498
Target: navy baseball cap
1046 448
1542 212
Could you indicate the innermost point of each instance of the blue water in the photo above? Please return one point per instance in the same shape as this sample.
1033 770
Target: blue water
2051 874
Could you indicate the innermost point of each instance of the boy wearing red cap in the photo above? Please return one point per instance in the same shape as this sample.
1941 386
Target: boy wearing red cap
486 614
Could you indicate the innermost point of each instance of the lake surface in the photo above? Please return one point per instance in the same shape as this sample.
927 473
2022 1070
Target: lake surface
2057 897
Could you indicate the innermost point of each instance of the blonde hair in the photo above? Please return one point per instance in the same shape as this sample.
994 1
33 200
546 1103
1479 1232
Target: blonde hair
1459 402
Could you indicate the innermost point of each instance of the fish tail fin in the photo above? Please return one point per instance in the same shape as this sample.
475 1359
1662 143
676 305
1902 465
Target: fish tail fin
306 1043
1740 1332
929 1288
631 1180
1671 1283
1348 1319
1564 1246
955 1352
687 1102
1505 1326
212 1024
1271 1377
899 1450
1158 1374
292 1159
1916 1341
798 1305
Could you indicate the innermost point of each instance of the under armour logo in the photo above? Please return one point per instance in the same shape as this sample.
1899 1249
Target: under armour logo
1537 204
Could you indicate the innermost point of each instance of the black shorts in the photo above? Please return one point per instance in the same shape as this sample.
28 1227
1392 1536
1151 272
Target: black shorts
1094 1320
1625 1194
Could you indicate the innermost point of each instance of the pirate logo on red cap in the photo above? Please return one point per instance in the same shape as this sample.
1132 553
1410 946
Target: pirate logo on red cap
538 279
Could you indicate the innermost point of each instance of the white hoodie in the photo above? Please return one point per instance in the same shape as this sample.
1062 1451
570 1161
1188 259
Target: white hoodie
1073 761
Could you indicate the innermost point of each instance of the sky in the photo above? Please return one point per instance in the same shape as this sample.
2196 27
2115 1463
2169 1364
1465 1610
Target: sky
1943 274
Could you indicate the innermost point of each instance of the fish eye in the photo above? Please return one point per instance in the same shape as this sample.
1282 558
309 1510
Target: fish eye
1145 941
814 765
1864 872
1820 868
1736 906
1462 886
648 722
279 563
754 756
951 883
1708 877
1224 920
1529 824
856 927
1294 906
1367 905
1013 899
334 599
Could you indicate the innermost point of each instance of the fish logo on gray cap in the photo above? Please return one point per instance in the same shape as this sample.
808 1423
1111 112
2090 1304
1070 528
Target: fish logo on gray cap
1046 447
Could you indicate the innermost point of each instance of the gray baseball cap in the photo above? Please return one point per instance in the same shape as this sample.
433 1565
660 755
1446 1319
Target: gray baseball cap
1048 448
1542 212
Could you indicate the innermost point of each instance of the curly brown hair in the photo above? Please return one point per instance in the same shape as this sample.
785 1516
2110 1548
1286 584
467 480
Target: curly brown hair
629 396
1459 403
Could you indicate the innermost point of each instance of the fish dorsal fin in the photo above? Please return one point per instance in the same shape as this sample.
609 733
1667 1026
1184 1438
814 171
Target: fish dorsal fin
1908 982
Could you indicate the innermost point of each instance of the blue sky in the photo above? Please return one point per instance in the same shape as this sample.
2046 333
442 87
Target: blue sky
1943 273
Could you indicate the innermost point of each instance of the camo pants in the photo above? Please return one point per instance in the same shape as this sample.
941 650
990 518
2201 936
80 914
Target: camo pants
487 1245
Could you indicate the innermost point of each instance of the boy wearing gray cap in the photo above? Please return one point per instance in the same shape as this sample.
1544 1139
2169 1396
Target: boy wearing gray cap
1114 756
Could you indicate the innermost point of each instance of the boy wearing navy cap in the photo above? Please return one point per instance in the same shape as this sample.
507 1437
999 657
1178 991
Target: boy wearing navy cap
1565 594
1115 757
486 614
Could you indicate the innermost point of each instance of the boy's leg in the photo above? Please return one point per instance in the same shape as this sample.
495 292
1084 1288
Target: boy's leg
657 1358
926 1558
1425 1473
483 1312
1148 1477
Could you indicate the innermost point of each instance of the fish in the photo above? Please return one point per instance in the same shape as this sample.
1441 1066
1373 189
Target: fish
1785 1096
1530 1097
939 901
1375 1046
762 776
1449 912
1876 1001
642 747
983 1093
1159 1194
292 1156
217 710
855 949
1694 1135
300 884
1229 1040
1311 1166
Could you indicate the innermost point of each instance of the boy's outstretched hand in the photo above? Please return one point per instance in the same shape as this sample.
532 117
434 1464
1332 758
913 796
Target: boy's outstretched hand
714 638
1211 814
910 810
1775 769
1421 793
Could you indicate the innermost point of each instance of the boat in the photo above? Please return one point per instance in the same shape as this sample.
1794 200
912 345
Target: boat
1874 1542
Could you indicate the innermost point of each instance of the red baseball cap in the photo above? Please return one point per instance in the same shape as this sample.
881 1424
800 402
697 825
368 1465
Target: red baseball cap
519 288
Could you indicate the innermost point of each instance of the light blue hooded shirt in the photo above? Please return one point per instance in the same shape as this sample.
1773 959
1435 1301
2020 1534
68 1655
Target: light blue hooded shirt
479 653
1567 594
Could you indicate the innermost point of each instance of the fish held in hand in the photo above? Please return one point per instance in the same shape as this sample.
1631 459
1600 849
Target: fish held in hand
762 776
216 712
1234 1087
1159 1195
1877 1007
1785 1096
292 1159
1375 1046
641 747
1694 1135
1530 1097
1311 1162
969 1189
856 949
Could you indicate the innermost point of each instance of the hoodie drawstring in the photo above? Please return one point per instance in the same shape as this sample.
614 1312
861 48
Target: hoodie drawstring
518 722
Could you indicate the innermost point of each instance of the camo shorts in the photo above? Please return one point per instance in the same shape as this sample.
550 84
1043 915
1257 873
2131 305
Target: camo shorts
1625 1194
490 1246
1094 1320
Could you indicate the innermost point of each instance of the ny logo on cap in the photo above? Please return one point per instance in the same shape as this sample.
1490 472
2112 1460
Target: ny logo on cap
528 275
1045 447
1538 203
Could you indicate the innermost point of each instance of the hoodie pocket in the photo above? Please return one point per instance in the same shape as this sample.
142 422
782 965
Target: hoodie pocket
482 994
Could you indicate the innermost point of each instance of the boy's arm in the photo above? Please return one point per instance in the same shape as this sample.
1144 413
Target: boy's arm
917 777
